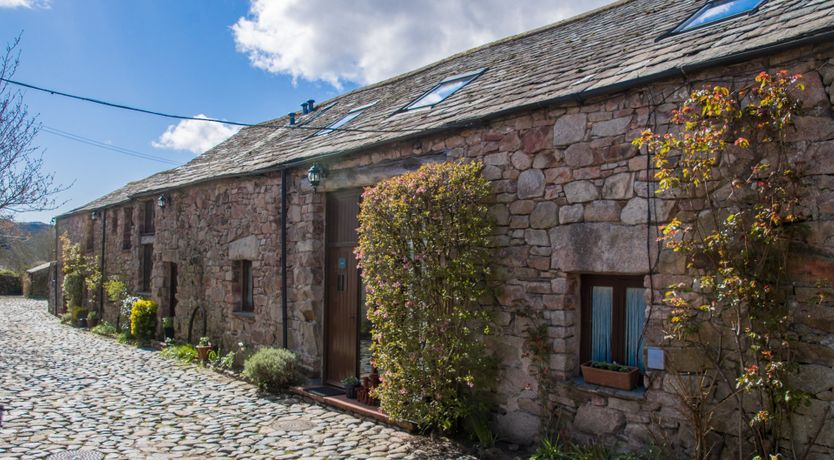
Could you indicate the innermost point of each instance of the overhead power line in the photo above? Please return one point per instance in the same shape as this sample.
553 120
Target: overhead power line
105 146
210 120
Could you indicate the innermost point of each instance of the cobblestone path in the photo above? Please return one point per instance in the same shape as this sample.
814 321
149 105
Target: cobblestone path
66 389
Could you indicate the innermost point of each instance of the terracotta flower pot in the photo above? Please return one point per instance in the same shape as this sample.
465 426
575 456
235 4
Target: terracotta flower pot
608 378
203 352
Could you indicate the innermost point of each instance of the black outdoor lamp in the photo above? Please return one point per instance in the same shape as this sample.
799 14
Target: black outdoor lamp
162 201
315 174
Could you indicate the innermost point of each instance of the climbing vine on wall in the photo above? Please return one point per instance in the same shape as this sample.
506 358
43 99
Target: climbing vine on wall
81 274
725 162
424 252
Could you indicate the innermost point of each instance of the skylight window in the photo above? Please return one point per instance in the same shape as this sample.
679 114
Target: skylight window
347 118
443 90
717 10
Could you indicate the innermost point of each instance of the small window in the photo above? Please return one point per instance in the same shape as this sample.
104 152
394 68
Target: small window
89 235
114 224
147 268
127 234
441 91
148 218
613 316
344 120
717 10
247 285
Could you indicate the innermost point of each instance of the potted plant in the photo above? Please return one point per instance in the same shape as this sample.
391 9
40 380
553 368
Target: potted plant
350 384
92 319
82 317
611 375
168 327
203 348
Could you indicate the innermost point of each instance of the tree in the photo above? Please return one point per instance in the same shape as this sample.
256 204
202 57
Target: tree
24 186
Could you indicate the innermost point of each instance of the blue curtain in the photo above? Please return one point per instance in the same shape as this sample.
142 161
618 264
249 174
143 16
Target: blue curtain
602 302
635 319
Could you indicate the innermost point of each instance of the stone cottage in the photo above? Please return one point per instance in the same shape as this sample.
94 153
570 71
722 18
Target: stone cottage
238 245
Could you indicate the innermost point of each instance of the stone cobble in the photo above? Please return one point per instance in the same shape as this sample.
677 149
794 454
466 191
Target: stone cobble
65 389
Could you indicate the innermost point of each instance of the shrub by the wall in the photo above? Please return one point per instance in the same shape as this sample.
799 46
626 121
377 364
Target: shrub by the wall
9 283
143 319
273 369
424 251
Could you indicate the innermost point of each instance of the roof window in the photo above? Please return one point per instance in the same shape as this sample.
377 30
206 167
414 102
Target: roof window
347 118
715 11
441 91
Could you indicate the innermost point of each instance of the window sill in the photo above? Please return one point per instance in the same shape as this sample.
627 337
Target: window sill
244 314
637 394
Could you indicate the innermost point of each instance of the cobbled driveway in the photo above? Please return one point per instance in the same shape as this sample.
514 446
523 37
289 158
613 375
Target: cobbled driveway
66 389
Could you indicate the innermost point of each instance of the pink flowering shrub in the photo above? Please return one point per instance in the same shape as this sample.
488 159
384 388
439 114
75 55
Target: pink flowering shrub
424 253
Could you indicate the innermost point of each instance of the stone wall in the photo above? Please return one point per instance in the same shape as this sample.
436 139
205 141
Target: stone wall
571 196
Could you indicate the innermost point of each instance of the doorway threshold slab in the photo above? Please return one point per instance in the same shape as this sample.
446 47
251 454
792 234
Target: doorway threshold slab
352 406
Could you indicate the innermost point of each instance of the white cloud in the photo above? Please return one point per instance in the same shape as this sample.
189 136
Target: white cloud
365 41
24 3
195 136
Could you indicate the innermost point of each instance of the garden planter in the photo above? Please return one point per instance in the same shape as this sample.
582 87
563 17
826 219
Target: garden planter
82 321
92 322
203 352
350 391
609 378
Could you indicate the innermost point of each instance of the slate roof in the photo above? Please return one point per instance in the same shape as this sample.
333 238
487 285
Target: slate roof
43 266
605 50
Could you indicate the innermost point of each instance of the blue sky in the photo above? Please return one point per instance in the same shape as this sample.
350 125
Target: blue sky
235 60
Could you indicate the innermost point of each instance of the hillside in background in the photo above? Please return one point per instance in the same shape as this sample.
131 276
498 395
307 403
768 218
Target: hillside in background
24 245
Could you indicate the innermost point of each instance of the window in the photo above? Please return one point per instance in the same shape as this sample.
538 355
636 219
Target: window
114 222
90 242
613 317
247 286
344 120
147 268
443 90
715 11
148 218
127 234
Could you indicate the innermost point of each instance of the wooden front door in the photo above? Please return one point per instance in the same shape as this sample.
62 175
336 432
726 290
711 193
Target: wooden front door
342 287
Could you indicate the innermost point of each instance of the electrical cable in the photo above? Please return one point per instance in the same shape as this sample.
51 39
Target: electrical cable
210 120
102 145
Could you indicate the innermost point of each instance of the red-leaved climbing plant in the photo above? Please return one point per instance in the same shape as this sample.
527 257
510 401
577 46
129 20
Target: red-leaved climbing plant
724 161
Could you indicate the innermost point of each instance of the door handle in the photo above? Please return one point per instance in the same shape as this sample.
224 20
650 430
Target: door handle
340 282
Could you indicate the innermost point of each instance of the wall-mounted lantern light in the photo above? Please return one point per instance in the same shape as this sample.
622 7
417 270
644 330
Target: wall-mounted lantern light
163 200
94 215
315 174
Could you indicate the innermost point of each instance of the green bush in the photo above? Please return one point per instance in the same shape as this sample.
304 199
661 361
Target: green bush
143 320
273 369
124 337
10 283
104 328
558 450
183 352
66 318
73 288
424 253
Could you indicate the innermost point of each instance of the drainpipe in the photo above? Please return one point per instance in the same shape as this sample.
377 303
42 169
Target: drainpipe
284 295
55 308
101 264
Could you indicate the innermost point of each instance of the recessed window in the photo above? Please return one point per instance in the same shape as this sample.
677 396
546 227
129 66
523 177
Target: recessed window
127 234
243 286
147 268
613 316
441 91
717 10
148 218
344 120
